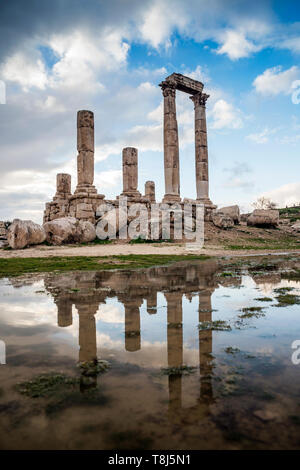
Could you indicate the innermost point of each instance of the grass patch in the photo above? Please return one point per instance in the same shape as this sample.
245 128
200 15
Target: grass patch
146 240
283 290
264 299
231 350
284 243
250 312
46 385
181 370
18 266
217 325
284 300
93 368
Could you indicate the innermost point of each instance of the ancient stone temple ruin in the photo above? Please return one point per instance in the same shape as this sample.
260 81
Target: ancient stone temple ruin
84 202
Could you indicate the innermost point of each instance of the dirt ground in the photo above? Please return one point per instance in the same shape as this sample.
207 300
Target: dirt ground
240 240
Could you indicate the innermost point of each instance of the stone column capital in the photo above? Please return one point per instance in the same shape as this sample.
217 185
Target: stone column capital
168 89
199 99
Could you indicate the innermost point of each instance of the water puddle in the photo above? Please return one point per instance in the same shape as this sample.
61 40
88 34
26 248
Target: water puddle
185 356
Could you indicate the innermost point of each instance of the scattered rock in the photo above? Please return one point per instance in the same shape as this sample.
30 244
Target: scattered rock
244 217
221 220
86 231
296 227
69 230
22 233
267 415
264 218
232 211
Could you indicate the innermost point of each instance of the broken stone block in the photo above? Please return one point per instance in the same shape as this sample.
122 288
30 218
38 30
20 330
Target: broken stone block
69 230
264 218
22 233
221 220
232 211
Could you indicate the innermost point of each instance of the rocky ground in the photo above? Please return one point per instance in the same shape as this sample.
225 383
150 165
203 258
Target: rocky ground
240 239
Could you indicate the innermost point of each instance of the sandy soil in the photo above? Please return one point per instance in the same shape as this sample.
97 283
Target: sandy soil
127 249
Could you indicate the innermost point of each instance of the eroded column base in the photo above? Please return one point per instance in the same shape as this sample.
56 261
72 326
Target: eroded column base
85 189
170 198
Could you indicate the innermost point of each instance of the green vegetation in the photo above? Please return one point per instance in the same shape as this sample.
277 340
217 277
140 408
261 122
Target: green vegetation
181 370
144 240
283 290
285 300
249 312
286 211
46 385
231 350
18 266
217 325
283 243
264 299
93 368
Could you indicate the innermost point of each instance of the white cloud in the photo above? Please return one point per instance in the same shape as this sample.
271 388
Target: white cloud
285 195
225 116
261 137
27 70
236 46
159 21
275 81
293 44
106 179
81 57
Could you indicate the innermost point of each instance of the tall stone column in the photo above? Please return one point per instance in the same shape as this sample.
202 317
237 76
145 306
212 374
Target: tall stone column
130 172
201 153
85 147
171 146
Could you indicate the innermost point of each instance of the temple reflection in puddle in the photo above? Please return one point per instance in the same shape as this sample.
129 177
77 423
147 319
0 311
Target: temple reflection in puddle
87 290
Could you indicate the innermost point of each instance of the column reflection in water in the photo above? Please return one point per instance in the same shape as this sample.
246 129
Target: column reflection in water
131 290
175 349
132 325
87 341
205 348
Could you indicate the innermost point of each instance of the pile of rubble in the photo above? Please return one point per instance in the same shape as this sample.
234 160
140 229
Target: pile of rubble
3 236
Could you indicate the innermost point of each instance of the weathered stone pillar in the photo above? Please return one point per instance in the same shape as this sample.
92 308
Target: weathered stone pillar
201 153
64 312
85 147
205 347
175 350
150 190
171 147
130 172
152 302
63 186
87 331
132 325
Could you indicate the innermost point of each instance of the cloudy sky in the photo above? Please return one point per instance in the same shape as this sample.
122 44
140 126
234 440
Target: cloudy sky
59 56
